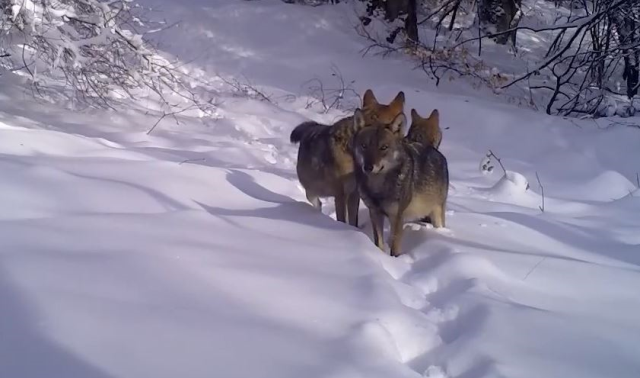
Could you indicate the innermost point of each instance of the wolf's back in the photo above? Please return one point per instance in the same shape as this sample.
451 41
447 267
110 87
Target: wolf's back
305 131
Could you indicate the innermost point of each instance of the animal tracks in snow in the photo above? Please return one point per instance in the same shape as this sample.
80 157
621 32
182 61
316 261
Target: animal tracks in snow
430 279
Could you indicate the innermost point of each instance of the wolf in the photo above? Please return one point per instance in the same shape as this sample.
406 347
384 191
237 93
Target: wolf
425 130
325 156
399 179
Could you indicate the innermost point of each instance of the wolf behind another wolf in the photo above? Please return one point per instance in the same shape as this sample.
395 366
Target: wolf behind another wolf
425 130
325 156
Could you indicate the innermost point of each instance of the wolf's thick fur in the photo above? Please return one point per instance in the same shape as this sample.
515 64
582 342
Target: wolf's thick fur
425 130
325 157
399 179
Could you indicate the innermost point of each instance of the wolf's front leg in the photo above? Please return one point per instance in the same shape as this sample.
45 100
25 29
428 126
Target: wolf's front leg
438 216
353 204
397 230
314 200
341 205
377 225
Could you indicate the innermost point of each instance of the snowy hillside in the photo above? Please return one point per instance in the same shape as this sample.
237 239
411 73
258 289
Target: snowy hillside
192 252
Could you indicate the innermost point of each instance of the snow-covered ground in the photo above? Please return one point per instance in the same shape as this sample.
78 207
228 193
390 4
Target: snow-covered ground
191 252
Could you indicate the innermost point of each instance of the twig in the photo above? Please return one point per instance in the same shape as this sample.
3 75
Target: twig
331 98
156 124
491 154
541 191
246 89
534 268
192 160
171 114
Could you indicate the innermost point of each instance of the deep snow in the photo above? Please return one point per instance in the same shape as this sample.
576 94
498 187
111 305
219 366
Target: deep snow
191 252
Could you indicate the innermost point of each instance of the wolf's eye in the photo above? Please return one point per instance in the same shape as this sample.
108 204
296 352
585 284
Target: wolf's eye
364 146
384 148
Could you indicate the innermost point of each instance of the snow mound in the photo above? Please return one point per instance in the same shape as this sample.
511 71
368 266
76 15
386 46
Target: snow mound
607 186
512 188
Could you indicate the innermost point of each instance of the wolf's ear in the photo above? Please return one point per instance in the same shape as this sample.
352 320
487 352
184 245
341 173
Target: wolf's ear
397 126
397 105
369 99
358 119
415 116
434 118
435 115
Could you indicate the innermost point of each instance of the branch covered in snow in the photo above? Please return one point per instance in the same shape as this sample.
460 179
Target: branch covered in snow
94 49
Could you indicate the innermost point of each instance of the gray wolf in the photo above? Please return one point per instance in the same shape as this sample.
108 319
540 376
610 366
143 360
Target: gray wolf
325 156
425 130
399 179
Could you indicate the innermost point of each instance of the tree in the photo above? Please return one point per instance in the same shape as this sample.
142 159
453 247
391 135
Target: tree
626 21
499 16
394 10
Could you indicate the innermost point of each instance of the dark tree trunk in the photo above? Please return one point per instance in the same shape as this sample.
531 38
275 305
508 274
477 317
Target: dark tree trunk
628 30
392 10
500 15
411 22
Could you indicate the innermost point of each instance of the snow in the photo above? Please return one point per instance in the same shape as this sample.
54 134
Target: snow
192 252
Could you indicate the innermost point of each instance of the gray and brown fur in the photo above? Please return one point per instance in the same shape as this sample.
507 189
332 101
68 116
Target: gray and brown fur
425 130
399 179
325 156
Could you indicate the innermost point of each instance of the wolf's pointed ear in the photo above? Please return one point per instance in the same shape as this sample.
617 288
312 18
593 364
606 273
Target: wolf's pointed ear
358 119
369 99
415 116
398 103
397 126
434 117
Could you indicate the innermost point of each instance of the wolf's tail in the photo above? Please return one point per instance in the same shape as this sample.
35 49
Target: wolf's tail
305 130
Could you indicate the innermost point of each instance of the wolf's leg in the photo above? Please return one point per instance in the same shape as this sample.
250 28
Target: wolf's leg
314 200
396 233
341 205
353 204
377 224
438 216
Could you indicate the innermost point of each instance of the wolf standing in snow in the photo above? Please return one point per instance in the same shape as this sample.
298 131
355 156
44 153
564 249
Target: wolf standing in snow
325 156
425 130
399 179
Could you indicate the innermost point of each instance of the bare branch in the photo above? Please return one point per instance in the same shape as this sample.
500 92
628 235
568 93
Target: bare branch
491 154
541 191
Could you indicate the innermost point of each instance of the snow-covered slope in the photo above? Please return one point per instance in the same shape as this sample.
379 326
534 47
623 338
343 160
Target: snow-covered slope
191 252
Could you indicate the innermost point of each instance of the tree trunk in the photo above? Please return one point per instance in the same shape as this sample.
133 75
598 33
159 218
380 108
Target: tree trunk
628 31
411 22
498 16
392 10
